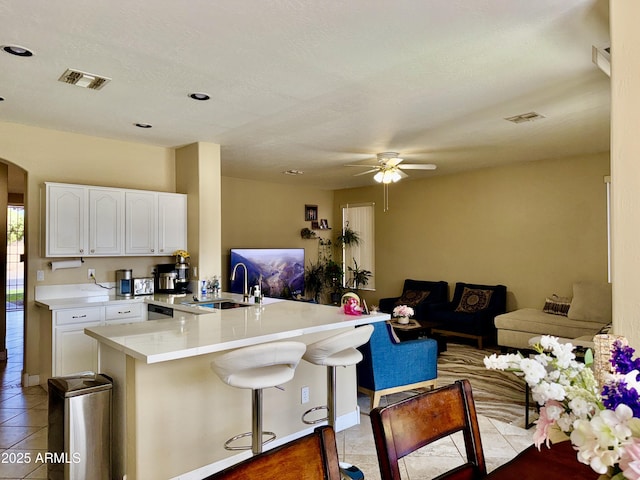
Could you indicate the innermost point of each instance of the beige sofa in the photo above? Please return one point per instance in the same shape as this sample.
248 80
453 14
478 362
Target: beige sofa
588 313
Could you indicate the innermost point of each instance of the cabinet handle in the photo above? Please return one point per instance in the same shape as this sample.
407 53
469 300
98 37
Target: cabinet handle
122 313
79 316
93 251
82 250
153 250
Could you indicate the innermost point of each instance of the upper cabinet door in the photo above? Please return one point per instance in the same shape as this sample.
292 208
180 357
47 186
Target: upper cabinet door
141 235
172 223
66 220
106 221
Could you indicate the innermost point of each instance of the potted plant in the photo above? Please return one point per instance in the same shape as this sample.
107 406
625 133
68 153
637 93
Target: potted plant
359 276
348 237
333 275
307 233
314 280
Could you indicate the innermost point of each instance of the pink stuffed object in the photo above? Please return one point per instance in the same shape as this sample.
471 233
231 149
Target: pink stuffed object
352 307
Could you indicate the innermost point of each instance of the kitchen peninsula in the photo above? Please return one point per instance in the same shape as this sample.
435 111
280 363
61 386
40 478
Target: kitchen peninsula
171 412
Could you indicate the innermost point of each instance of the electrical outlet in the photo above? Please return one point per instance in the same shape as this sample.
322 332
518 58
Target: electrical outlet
91 273
304 395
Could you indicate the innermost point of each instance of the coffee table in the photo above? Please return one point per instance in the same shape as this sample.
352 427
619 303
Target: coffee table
419 328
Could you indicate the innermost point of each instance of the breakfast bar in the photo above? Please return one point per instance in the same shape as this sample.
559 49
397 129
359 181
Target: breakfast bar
172 413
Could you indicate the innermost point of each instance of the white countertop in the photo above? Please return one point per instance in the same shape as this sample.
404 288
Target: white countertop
188 334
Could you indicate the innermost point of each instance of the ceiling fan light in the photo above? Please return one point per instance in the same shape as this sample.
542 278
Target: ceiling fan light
378 177
387 177
395 176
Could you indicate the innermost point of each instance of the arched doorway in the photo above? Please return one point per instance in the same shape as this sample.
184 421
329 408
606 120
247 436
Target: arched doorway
12 206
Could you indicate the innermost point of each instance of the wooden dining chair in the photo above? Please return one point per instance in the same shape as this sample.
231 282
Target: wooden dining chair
410 424
312 457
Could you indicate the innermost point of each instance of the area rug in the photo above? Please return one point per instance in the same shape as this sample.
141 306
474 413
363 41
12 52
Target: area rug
498 395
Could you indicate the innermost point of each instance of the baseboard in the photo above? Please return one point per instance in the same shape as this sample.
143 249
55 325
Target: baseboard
30 380
342 422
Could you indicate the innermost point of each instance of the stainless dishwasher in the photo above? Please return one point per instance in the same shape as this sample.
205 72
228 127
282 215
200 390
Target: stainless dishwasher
156 312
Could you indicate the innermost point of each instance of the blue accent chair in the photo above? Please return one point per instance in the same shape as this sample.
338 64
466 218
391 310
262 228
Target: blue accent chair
389 366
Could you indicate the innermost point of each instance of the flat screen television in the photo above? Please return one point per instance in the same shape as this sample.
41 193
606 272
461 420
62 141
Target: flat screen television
282 270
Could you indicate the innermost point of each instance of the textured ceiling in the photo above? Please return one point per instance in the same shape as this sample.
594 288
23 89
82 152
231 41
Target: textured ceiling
316 84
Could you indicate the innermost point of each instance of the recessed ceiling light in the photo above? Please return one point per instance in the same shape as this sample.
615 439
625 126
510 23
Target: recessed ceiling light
143 125
1 99
199 96
17 50
293 172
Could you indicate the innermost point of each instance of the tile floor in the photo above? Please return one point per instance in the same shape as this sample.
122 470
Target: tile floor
23 430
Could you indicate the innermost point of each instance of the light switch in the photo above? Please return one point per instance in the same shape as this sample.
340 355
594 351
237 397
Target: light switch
40 275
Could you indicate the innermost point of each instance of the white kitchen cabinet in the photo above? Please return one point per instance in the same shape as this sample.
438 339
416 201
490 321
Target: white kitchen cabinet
125 313
172 223
66 220
72 350
106 221
156 223
141 237
83 220
75 351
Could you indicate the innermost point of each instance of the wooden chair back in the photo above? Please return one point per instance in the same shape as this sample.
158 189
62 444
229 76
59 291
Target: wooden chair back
312 457
410 424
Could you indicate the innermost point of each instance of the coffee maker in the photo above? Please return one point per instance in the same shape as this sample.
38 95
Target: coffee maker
171 278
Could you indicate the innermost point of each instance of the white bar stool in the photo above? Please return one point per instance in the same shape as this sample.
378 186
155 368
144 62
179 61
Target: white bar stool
336 351
258 367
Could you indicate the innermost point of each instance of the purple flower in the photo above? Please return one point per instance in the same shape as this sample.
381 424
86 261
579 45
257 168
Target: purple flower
622 358
614 394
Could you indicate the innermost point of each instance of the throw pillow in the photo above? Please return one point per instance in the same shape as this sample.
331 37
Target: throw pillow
411 298
591 302
557 305
473 300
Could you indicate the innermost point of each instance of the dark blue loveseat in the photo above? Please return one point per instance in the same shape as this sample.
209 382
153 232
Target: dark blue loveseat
471 312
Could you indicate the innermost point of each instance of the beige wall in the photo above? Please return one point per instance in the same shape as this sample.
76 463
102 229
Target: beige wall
625 167
266 215
535 227
49 155
198 175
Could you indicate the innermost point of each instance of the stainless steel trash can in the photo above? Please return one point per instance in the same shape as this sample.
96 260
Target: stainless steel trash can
79 436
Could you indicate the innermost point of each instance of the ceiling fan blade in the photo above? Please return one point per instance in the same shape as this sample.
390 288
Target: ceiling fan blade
418 166
393 162
365 166
402 174
364 173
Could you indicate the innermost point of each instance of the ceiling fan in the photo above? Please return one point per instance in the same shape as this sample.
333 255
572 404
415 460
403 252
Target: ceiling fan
389 168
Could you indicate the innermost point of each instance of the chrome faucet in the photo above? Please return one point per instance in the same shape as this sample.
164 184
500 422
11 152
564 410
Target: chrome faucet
245 292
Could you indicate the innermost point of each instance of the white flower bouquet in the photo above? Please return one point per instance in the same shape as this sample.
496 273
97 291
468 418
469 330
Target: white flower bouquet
603 424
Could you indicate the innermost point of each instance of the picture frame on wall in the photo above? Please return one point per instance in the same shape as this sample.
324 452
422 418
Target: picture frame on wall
311 213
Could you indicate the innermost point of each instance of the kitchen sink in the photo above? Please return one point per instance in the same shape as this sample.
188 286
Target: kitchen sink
218 303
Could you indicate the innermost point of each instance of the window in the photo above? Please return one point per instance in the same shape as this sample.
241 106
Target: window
360 219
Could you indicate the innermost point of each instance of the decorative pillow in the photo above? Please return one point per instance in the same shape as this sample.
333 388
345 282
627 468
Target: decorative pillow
473 300
411 298
591 302
557 305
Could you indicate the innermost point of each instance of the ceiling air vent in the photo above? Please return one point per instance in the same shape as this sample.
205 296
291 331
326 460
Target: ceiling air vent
525 117
83 79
